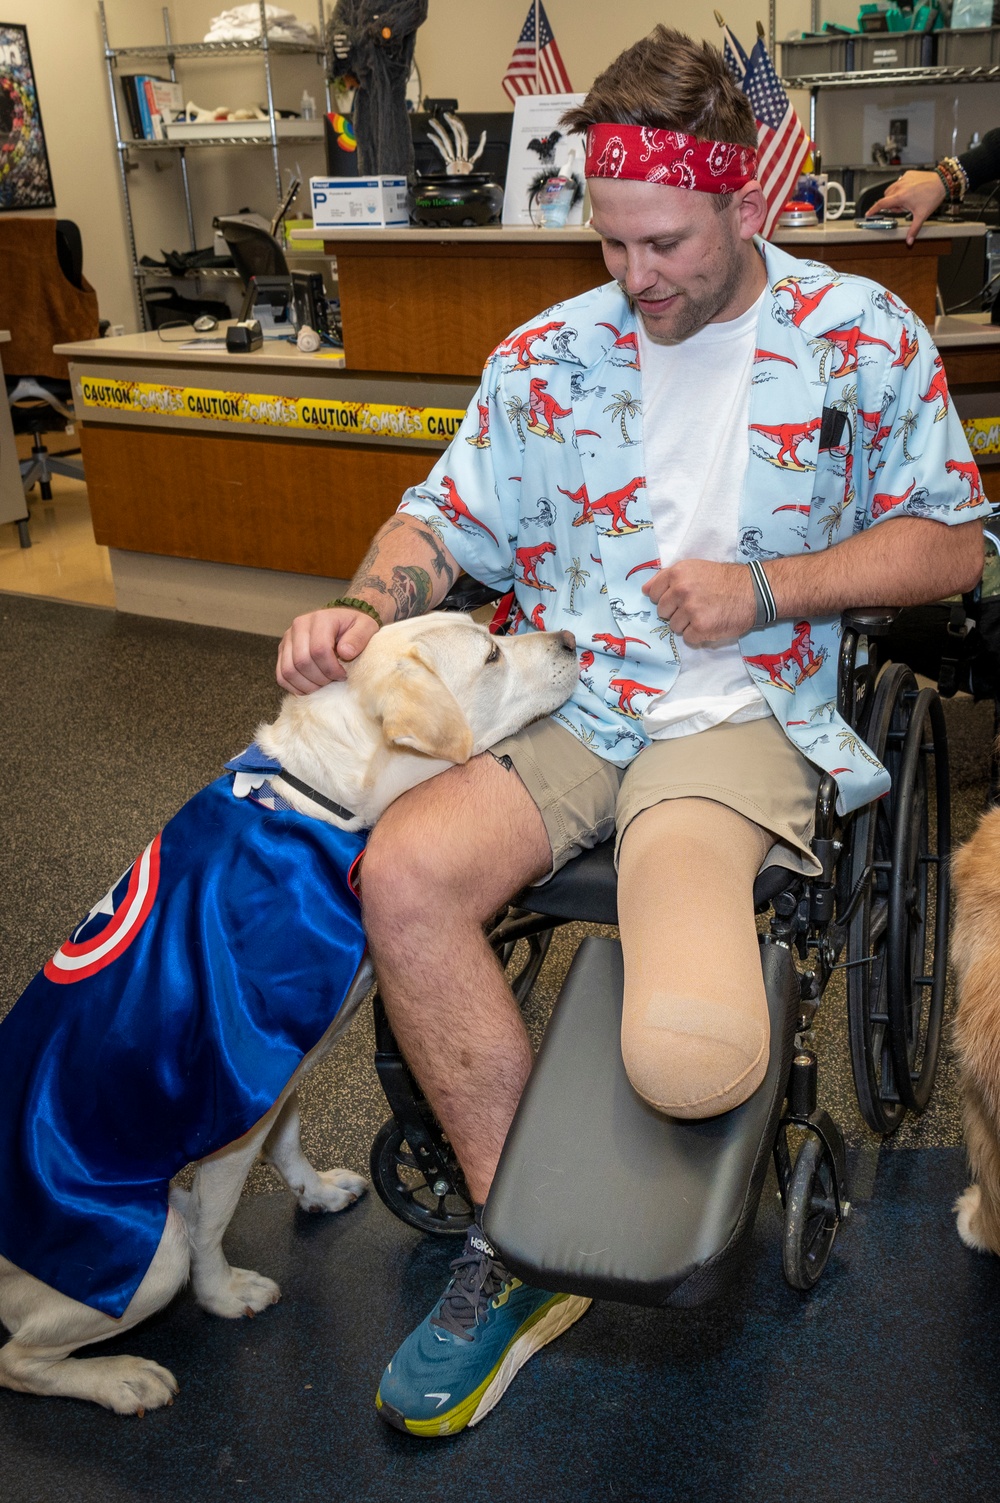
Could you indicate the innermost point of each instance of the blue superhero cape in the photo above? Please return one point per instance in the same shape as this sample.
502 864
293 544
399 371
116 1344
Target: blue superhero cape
167 1026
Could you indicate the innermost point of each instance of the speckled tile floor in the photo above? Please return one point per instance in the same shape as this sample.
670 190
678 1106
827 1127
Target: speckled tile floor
110 724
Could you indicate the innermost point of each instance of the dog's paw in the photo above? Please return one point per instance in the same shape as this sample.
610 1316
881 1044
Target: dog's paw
337 1188
128 1385
966 1210
243 1292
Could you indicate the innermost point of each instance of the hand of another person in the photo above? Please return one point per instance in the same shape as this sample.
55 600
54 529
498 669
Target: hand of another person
919 192
704 602
315 647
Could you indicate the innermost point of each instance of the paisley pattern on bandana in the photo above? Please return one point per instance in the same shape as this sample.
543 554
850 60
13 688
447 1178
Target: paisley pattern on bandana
668 156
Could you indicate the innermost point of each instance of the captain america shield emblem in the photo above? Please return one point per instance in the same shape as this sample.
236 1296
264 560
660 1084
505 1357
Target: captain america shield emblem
126 907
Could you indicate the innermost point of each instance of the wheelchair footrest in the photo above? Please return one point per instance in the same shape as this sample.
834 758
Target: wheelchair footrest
599 1194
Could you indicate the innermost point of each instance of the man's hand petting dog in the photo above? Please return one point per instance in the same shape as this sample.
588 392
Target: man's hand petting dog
704 602
316 647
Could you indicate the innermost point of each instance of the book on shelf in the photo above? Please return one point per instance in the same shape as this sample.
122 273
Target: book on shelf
149 101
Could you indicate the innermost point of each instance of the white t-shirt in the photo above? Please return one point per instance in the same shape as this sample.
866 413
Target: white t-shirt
695 410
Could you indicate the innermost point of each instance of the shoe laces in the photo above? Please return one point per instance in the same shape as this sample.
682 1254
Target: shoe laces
478 1277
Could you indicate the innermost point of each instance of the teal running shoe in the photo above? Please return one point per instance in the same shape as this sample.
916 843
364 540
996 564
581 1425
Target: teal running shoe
460 1361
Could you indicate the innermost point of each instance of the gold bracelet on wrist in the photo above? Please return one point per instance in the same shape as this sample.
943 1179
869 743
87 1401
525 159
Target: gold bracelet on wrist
354 604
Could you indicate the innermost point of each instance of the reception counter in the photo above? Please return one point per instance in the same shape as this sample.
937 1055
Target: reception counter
437 301
239 490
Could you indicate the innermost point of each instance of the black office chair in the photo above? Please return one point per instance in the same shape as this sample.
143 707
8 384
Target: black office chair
255 251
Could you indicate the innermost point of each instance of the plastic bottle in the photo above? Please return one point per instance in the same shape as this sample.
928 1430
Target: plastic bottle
556 197
307 106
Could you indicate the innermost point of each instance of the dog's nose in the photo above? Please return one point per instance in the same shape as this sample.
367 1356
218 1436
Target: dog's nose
568 640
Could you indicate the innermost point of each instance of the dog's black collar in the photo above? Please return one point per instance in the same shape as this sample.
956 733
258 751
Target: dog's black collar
317 798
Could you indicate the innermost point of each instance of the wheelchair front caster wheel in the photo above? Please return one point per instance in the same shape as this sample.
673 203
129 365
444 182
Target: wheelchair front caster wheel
811 1220
441 1207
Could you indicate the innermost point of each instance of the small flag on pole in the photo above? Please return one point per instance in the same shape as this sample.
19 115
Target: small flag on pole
782 141
536 66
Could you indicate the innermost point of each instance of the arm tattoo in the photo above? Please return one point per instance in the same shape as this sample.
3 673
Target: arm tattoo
439 559
411 590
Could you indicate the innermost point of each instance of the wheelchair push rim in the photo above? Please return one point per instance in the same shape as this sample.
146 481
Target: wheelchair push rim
919 896
871 853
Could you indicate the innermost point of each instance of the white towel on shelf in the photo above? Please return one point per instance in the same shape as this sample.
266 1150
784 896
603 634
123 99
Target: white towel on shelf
241 23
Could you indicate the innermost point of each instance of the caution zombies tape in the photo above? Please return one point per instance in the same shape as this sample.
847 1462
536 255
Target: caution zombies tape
311 414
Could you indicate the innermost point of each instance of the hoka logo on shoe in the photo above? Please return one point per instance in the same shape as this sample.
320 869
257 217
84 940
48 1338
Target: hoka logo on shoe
442 1398
481 1245
505 1293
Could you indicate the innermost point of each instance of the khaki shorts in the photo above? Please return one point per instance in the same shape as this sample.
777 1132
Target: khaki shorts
751 767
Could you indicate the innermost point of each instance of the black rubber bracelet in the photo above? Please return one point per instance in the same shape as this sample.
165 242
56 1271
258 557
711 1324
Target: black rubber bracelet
354 604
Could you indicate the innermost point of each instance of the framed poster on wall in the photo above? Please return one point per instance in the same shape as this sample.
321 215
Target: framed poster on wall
25 178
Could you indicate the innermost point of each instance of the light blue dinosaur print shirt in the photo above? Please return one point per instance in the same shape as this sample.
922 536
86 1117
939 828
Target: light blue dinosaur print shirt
543 491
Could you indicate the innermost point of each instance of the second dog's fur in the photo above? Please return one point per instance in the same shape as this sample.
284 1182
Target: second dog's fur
976 951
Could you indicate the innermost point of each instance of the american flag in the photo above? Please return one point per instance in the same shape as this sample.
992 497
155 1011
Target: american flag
536 68
782 142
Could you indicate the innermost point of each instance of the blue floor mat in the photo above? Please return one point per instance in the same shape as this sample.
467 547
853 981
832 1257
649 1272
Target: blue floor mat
882 1382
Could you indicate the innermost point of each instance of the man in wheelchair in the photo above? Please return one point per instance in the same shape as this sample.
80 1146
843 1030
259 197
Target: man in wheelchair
694 468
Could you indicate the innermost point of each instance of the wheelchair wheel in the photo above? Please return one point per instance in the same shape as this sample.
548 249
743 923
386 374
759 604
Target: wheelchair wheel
919 894
402 1186
810 1215
872 839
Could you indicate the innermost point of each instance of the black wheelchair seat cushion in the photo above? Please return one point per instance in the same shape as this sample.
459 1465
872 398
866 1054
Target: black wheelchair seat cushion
586 888
599 1194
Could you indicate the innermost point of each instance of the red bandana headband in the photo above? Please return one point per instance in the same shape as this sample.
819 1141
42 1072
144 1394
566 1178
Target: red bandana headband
669 157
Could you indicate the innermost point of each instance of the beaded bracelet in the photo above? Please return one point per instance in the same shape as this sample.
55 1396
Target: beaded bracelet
354 604
954 178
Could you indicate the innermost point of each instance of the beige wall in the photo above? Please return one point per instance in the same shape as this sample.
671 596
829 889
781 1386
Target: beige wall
464 45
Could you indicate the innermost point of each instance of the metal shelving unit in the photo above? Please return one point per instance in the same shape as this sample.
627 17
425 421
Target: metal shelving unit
264 48
887 78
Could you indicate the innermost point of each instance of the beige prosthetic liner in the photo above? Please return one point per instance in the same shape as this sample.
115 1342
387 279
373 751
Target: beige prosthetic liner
695 1029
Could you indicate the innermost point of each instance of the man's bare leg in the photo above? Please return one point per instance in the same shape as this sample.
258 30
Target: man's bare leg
441 861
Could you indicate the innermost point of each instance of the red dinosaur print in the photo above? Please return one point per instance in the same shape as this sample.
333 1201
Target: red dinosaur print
520 346
455 509
651 563
625 344
537 617
800 654
938 389
788 436
770 355
880 432
614 644
969 473
627 688
907 351
482 438
882 502
803 303
847 341
804 510
544 410
613 502
586 659
529 560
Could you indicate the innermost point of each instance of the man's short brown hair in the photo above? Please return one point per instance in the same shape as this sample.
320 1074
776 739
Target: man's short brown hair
670 82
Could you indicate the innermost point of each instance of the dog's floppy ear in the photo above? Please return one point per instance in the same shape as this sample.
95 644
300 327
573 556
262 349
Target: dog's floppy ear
420 711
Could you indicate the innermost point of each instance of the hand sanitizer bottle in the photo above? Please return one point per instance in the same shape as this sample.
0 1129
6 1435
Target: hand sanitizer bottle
307 106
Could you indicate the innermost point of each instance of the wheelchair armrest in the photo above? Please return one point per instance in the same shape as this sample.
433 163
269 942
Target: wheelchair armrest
467 594
869 620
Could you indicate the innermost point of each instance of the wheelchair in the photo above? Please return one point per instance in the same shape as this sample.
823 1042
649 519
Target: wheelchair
599 1194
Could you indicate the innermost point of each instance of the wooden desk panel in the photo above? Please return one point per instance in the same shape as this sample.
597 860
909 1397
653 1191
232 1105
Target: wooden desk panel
439 309
302 507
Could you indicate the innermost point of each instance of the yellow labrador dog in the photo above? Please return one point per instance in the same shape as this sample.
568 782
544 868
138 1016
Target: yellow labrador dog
424 694
976 951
